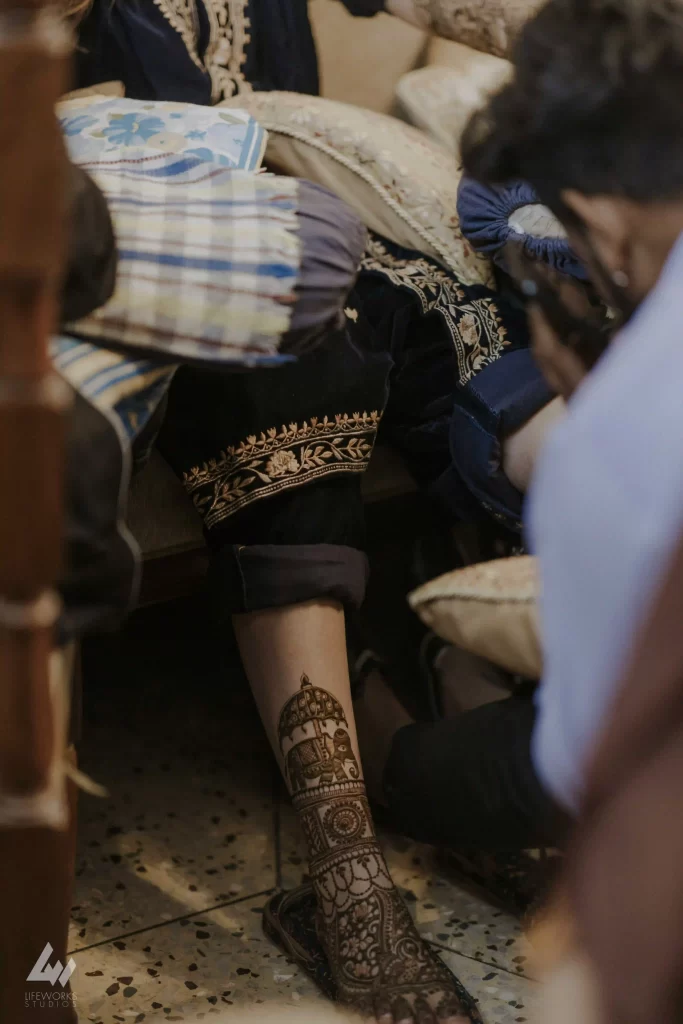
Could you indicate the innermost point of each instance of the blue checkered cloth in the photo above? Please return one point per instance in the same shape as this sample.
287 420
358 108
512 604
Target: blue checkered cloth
209 251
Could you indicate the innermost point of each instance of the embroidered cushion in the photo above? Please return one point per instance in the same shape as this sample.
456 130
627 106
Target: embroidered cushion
400 183
488 25
488 609
492 215
103 126
440 100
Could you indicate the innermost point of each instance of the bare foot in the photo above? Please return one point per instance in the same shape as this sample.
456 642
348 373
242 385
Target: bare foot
382 967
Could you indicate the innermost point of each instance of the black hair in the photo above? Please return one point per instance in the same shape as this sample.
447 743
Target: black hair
595 104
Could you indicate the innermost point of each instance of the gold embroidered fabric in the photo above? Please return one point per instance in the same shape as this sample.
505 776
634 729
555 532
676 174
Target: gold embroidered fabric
279 460
475 326
491 26
227 49
182 17
229 37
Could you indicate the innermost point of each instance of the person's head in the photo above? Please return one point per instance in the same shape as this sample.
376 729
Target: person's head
593 119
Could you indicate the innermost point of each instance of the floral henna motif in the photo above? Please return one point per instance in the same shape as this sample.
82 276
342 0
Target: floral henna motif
380 963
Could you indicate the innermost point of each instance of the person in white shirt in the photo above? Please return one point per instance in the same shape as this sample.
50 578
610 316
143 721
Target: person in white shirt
592 119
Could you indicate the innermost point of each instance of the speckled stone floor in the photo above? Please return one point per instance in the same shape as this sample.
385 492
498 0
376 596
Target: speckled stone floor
175 865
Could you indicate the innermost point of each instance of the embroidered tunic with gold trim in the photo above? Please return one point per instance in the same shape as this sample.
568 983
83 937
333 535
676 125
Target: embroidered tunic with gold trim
202 51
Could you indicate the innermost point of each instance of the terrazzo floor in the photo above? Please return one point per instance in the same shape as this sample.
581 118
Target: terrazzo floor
176 863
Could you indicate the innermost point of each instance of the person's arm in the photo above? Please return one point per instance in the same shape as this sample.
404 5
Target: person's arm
91 256
523 447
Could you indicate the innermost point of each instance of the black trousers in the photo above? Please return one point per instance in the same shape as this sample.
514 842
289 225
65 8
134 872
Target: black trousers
273 460
469 782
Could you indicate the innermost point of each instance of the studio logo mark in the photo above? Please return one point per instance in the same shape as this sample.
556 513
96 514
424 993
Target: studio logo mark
52 973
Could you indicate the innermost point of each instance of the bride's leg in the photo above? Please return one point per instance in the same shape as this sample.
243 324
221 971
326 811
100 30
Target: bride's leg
295 658
273 462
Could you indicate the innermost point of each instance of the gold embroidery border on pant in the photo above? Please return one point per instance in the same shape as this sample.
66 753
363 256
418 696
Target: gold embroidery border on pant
279 460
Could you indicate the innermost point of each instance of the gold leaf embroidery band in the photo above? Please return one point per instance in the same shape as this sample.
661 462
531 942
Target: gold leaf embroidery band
182 17
229 39
277 461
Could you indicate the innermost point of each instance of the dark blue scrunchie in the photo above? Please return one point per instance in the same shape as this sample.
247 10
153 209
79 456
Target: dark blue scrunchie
485 212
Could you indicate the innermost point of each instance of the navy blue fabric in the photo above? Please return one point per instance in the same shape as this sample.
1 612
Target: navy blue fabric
484 213
495 404
450 434
132 42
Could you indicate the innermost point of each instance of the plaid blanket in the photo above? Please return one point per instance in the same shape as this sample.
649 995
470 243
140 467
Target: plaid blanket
208 260
209 254
206 275
130 389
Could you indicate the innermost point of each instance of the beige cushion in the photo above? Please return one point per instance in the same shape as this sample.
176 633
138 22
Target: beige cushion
440 100
105 89
487 25
488 609
402 184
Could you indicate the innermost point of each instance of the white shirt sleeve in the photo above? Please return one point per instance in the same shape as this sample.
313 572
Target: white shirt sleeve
605 513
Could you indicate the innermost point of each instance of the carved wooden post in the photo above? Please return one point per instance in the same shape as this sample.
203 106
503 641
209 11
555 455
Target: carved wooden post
35 844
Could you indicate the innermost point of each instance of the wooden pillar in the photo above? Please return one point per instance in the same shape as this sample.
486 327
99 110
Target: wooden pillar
36 851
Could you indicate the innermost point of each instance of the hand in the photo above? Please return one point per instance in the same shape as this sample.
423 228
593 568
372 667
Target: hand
561 366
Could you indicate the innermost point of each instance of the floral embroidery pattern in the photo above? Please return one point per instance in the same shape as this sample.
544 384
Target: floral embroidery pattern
75 125
132 129
476 329
280 459
227 50
119 128
182 17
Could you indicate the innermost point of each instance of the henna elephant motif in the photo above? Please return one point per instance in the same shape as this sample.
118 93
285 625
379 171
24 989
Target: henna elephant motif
321 760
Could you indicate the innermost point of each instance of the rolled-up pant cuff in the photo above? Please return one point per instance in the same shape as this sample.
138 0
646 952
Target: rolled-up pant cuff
255 577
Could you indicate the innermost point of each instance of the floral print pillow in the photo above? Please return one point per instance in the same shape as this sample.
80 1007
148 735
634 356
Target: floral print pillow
98 128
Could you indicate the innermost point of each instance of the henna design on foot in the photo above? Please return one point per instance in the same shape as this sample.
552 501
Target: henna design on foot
381 965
